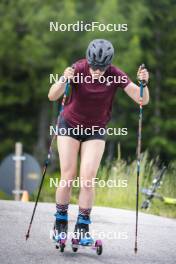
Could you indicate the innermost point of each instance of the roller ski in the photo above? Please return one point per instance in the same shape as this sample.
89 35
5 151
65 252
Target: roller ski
60 230
82 237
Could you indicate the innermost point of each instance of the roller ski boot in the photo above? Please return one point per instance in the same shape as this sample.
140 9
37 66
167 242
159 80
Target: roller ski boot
60 230
82 237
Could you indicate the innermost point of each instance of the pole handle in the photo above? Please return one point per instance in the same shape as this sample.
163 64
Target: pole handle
144 83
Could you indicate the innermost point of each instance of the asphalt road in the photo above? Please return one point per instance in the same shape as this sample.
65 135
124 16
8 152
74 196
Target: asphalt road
157 236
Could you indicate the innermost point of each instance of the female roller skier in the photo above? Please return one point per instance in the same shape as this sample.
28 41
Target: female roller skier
89 105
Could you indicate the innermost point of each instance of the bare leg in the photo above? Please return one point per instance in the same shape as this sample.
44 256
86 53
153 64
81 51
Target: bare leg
91 154
68 148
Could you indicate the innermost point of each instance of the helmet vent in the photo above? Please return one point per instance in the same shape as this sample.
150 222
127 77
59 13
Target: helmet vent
104 59
111 58
100 52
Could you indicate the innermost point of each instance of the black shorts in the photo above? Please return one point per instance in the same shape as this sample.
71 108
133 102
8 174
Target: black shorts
64 129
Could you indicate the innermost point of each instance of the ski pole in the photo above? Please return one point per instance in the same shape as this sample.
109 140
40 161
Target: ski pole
47 161
142 83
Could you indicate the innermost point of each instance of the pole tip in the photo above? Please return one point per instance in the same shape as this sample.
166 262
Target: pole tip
27 236
135 250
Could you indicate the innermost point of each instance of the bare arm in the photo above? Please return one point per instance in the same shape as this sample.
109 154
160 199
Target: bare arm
133 90
57 89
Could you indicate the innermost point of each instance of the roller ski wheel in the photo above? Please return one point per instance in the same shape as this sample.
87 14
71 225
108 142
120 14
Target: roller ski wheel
98 247
60 231
61 245
75 244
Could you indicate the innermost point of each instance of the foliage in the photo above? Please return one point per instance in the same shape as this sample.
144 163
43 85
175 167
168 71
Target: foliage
30 52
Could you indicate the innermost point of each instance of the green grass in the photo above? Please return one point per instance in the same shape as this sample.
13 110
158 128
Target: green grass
126 197
4 196
122 197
